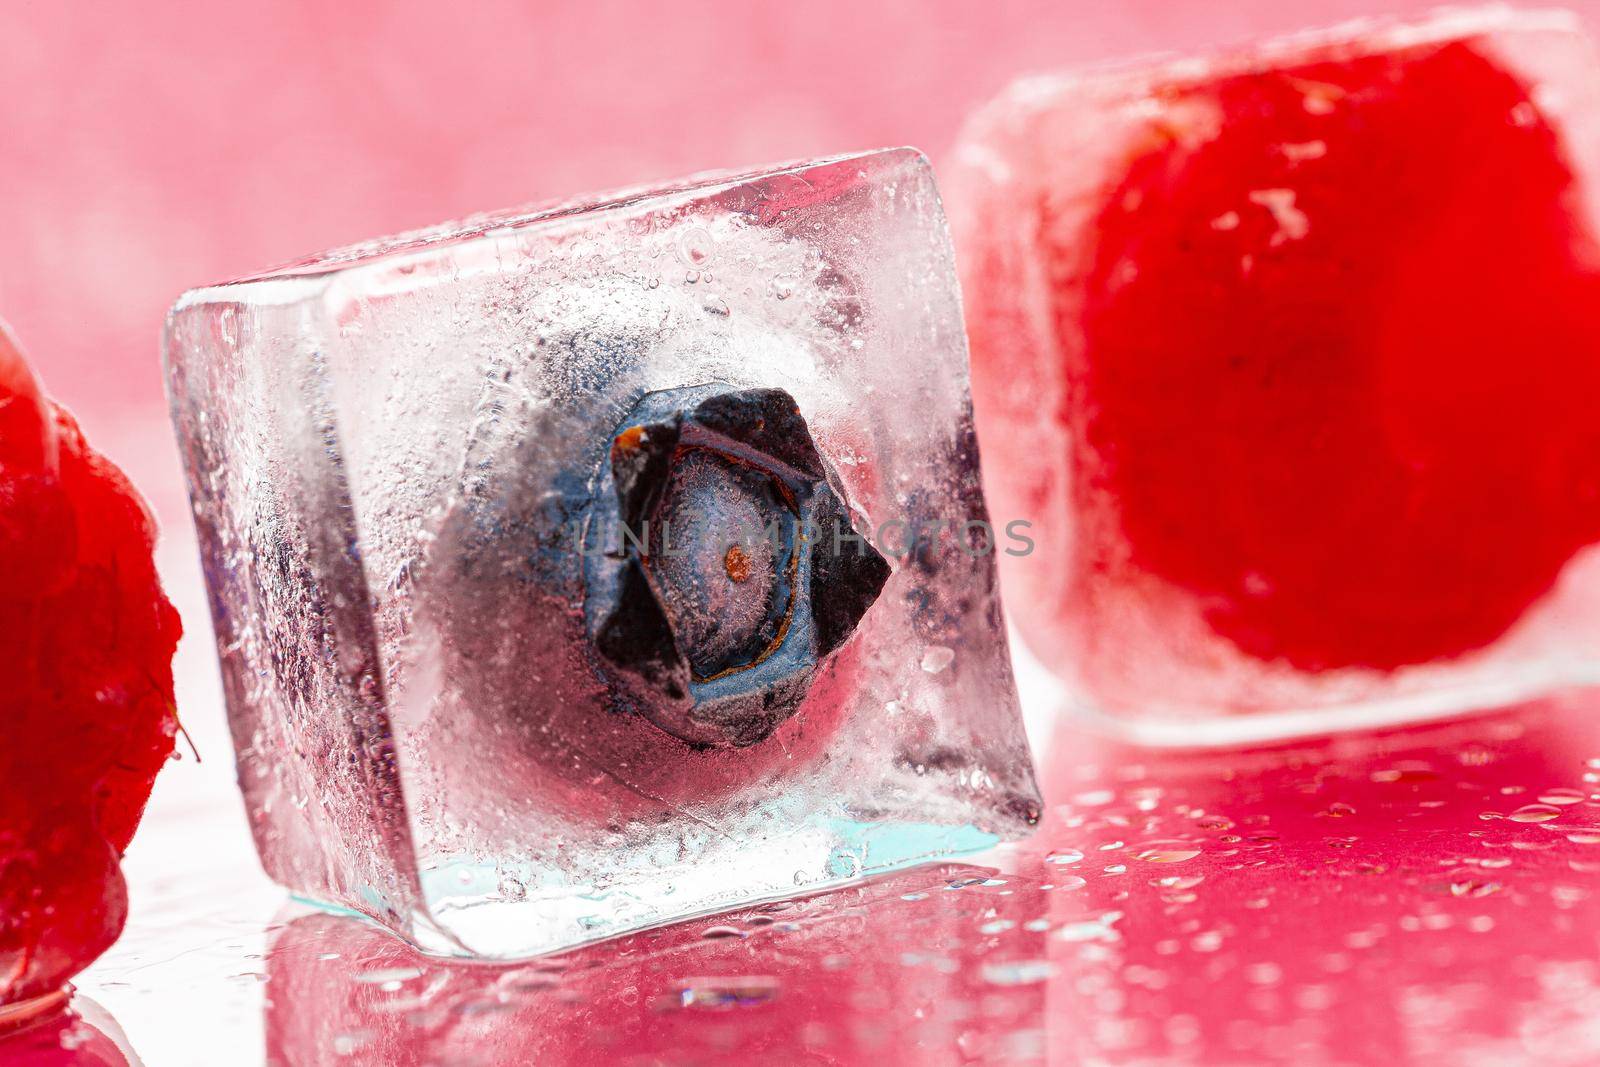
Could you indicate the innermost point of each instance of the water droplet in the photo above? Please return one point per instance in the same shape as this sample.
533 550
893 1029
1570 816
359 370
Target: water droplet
1318 98
1175 881
724 993
1064 856
1405 771
1264 974
783 287
721 933
1302 151
1561 797
1535 813
1292 223
1021 972
1167 853
1100 929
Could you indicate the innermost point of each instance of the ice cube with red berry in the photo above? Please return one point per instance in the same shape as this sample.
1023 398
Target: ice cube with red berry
1290 356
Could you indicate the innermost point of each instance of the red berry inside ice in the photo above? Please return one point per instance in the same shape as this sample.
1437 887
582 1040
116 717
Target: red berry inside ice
86 712
1343 347
1328 348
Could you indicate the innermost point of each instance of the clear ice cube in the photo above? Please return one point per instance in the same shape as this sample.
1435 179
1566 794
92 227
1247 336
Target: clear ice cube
469 697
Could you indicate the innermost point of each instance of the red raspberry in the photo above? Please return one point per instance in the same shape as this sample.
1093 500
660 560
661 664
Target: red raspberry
86 714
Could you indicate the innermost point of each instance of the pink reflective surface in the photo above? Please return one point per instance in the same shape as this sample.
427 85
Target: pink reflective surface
1406 896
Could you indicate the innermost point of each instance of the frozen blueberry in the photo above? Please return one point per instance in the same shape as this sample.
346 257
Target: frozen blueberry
731 568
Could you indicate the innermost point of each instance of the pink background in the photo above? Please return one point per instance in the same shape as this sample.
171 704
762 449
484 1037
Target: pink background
152 150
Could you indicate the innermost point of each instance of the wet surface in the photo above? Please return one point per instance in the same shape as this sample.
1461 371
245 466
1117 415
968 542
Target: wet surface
1401 897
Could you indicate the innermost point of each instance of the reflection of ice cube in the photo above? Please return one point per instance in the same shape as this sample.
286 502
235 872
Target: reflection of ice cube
390 449
879 973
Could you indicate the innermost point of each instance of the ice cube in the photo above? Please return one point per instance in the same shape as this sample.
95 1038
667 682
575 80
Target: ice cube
559 560
1290 357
